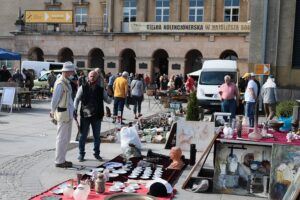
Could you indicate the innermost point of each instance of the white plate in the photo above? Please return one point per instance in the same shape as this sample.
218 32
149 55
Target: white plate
98 169
114 189
113 175
134 185
120 171
113 164
128 191
58 191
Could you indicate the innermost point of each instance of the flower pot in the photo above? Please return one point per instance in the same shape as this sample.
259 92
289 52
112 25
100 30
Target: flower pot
287 126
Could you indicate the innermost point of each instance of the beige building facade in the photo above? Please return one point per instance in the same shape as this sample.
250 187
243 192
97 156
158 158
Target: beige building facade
101 34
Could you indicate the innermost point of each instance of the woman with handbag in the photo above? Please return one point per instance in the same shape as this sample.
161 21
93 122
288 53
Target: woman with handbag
137 93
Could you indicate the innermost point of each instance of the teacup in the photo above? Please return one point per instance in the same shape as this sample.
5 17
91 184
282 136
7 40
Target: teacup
156 176
132 176
134 185
129 190
144 177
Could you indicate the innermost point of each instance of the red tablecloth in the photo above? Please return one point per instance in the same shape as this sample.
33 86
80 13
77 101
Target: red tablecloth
279 138
93 194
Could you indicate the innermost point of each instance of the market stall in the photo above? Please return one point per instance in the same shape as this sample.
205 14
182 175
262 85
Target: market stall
251 167
120 172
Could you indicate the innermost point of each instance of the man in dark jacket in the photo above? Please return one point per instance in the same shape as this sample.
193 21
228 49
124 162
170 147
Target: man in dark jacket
91 96
4 74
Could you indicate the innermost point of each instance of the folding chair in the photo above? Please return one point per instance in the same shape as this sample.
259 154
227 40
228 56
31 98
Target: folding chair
156 103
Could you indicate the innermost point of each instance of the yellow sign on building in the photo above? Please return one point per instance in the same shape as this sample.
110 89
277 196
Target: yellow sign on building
47 16
262 69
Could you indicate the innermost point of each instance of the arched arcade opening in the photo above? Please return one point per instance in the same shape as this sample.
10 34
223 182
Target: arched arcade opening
127 61
36 54
193 61
160 62
96 58
65 54
229 55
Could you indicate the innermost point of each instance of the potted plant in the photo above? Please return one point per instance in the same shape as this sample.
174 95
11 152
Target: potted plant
284 112
193 110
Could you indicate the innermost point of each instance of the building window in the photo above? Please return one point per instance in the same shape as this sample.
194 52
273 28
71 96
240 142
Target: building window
196 11
81 15
231 10
129 11
162 10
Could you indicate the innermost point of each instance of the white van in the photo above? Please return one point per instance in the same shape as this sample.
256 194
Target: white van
211 77
38 66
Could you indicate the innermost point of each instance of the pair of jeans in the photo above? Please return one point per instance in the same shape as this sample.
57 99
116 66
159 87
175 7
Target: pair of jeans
119 103
85 123
229 106
250 109
137 103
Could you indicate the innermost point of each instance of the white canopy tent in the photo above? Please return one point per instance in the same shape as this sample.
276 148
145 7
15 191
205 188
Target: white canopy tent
195 73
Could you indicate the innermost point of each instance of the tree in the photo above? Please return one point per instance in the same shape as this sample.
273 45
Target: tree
192 108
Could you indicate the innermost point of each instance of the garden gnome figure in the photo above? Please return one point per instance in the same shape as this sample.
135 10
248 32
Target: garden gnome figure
175 155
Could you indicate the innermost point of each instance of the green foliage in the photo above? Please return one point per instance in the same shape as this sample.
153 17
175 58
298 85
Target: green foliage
285 108
192 108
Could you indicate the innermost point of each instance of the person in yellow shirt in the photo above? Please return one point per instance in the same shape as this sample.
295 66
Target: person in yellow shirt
120 89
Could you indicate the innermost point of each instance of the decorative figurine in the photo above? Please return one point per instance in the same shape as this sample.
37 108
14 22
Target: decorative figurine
289 137
175 155
228 132
100 184
239 125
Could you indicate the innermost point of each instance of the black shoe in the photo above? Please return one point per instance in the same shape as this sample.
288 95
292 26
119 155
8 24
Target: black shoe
65 164
23 106
99 158
28 106
81 158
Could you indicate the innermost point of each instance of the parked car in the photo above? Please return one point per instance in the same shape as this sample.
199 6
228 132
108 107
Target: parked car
42 81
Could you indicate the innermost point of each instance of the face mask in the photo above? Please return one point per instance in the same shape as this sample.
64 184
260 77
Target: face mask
71 77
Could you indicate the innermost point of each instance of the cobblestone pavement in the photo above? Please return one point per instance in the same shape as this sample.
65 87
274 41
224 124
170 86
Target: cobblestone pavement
17 180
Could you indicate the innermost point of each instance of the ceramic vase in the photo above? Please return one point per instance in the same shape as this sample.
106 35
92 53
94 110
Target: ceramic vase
68 191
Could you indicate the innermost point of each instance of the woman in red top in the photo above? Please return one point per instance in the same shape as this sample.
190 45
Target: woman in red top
190 84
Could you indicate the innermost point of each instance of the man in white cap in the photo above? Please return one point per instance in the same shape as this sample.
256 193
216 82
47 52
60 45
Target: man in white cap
62 111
